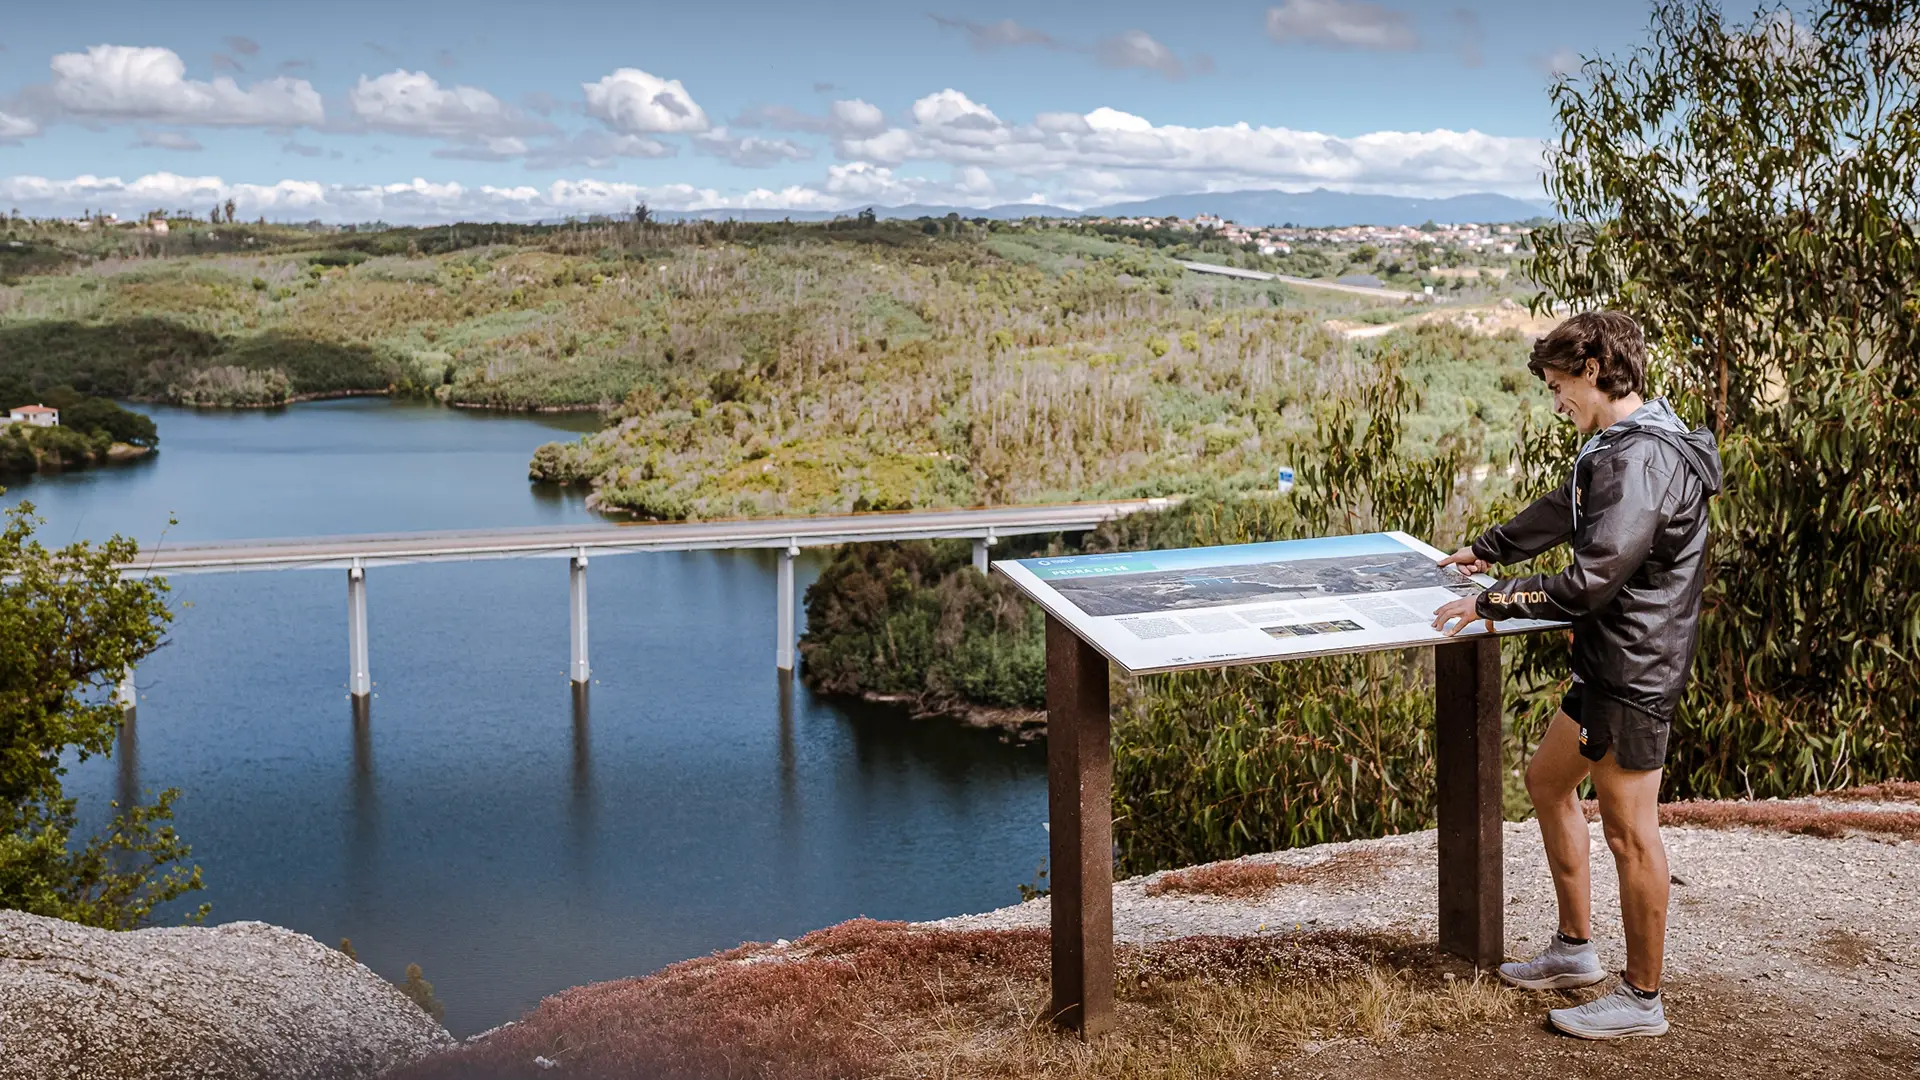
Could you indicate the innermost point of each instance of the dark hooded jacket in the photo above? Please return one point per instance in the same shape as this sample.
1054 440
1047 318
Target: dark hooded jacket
1635 509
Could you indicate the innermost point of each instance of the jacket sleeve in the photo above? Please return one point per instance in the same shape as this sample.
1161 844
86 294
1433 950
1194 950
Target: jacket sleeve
1544 524
1625 510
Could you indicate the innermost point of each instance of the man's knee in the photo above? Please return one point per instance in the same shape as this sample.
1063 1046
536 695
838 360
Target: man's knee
1545 785
1631 841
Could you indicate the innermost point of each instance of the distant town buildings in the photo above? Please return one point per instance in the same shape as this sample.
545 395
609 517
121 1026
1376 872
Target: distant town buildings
1390 239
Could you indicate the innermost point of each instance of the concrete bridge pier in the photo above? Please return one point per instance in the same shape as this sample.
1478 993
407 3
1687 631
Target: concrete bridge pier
783 650
578 671
359 681
123 691
980 546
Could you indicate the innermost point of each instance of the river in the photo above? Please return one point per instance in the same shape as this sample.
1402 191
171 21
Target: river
479 825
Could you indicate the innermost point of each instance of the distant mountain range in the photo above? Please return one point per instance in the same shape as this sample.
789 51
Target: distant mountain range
1318 208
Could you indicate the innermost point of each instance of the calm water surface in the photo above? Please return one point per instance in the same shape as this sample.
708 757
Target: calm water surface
480 824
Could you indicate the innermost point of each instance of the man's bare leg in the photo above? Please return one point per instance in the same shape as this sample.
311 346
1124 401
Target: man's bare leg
1630 817
1553 782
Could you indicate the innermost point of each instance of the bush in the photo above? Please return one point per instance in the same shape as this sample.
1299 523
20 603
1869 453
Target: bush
420 992
70 624
916 619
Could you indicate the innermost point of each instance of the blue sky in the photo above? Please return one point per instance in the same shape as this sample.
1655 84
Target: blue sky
427 110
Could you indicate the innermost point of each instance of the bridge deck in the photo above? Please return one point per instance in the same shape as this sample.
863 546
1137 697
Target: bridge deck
342 552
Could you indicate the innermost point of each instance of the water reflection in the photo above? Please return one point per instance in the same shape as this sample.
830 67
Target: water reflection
127 769
366 812
582 805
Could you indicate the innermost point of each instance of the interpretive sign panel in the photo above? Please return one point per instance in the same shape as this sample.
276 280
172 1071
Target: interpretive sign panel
1152 611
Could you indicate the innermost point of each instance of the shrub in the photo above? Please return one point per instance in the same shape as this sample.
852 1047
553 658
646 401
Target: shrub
420 992
70 624
916 619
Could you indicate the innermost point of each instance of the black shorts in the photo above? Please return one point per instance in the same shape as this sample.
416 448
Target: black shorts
1638 738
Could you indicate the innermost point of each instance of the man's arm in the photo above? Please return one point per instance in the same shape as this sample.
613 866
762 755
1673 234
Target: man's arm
1625 510
1544 524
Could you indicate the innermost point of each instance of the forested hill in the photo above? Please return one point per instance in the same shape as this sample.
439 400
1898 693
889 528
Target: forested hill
760 368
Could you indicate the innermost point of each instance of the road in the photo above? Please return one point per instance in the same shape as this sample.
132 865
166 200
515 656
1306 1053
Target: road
1305 283
342 552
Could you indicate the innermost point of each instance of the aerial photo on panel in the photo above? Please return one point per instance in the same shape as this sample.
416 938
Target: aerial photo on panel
1215 586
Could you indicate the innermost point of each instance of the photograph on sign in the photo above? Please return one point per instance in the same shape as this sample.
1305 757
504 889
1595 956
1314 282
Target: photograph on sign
1165 610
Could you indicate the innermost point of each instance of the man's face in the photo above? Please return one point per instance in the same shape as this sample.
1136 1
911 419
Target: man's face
1578 398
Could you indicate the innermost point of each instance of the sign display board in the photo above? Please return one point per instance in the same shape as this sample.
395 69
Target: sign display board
1152 611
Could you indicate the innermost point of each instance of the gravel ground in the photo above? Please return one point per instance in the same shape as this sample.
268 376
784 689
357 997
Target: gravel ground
234 1002
1826 925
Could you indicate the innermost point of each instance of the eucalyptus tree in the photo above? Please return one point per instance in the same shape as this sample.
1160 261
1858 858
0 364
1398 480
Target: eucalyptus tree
1750 191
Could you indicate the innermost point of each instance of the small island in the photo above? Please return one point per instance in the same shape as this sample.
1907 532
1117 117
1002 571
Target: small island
61 428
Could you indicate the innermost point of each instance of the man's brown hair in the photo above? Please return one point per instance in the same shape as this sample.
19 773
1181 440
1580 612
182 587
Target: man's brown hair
1608 339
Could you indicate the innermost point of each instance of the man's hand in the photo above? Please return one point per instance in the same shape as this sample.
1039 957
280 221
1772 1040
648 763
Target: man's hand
1466 560
1462 610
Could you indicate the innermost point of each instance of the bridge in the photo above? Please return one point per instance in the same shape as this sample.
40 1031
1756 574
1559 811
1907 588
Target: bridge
357 554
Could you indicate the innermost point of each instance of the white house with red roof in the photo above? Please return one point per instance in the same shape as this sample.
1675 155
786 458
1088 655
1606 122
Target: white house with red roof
35 415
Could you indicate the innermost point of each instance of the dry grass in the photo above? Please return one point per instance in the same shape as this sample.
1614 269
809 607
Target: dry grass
1243 878
868 999
1801 818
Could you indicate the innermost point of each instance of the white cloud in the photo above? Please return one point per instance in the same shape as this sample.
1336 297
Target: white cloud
857 115
14 128
850 116
1354 24
974 181
633 102
750 151
124 82
861 180
168 140
1074 151
415 201
1139 49
1105 119
1561 61
998 35
595 150
413 103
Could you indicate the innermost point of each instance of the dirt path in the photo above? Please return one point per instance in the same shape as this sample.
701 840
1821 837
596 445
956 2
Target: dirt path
1775 940
1726 1030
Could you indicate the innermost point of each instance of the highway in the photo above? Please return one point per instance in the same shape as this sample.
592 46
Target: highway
347 552
1305 283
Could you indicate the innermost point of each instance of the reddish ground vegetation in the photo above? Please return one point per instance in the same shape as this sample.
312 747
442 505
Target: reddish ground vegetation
852 999
1890 791
1240 877
801 1013
1803 818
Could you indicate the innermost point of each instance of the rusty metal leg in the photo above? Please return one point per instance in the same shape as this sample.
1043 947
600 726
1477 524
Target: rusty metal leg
1080 832
1467 763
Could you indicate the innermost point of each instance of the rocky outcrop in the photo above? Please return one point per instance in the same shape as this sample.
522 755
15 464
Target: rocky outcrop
231 1002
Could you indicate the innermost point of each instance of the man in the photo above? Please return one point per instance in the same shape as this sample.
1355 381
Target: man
1635 512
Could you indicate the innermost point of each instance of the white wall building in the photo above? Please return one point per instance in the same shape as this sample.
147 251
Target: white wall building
36 415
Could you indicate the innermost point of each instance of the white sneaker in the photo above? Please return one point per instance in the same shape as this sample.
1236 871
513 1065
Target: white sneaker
1618 1015
1559 967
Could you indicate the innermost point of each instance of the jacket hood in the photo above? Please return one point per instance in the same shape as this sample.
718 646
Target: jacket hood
1697 446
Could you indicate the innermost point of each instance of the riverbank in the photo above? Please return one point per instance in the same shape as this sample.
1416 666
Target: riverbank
24 455
1020 726
1787 945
